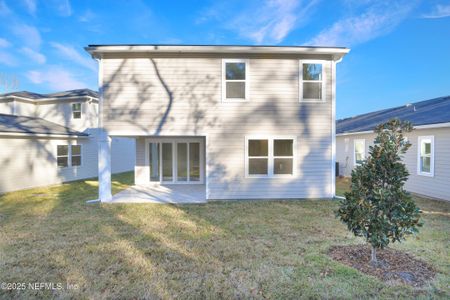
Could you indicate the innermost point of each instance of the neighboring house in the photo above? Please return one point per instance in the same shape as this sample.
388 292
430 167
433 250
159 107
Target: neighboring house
428 159
247 122
53 138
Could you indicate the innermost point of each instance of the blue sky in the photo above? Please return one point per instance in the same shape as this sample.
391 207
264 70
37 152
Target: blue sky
400 49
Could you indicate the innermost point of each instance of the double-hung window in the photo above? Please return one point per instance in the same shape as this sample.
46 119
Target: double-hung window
312 81
270 156
62 155
234 80
425 156
68 155
359 152
76 110
75 155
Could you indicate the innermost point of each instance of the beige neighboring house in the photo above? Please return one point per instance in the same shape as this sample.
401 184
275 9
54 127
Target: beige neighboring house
51 138
238 122
428 159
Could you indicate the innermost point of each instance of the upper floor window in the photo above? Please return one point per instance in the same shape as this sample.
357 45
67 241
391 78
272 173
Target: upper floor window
68 155
234 80
269 157
360 151
76 110
312 81
425 156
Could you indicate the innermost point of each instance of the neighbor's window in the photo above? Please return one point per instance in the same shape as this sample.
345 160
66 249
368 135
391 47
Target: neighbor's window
76 155
425 161
312 81
270 157
76 110
68 155
360 153
62 155
235 83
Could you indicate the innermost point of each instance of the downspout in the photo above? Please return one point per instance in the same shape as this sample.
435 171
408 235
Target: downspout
333 125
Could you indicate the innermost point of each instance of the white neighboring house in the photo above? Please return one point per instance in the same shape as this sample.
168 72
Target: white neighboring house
52 138
428 159
238 122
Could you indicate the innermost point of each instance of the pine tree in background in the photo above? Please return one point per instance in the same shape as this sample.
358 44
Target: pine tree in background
378 208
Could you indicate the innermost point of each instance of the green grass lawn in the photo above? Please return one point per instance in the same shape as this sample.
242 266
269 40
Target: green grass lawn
248 249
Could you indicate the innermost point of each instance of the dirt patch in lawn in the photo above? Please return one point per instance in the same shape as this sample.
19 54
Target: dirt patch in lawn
397 267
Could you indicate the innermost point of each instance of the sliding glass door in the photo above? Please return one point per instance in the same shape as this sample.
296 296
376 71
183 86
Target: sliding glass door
176 161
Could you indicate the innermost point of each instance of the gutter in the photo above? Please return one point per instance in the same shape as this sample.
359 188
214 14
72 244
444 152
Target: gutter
45 100
97 50
45 135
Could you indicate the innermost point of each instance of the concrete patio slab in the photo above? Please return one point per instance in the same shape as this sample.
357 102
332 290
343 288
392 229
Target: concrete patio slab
168 193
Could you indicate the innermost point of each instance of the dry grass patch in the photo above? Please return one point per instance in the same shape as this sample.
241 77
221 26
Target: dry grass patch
267 249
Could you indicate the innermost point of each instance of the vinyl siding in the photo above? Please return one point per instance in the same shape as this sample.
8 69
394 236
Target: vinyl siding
436 186
6 107
61 113
25 109
31 162
182 96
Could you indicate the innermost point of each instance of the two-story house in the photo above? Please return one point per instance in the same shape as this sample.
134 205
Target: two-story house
51 138
243 122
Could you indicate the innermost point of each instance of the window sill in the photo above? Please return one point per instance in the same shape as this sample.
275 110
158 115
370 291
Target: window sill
425 174
69 167
270 176
233 100
312 101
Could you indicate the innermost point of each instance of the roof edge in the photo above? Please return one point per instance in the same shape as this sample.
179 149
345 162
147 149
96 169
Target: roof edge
49 99
49 135
97 50
424 126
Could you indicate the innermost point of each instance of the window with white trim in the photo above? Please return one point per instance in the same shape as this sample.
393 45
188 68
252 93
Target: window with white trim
425 156
76 110
312 81
68 155
359 151
75 155
234 80
62 155
269 157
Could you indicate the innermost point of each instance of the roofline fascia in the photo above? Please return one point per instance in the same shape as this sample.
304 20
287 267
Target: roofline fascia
97 51
44 135
427 126
51 99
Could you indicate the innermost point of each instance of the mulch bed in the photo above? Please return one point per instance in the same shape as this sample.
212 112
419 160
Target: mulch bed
395 267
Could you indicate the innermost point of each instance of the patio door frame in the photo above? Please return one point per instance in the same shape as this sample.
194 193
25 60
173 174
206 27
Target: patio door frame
174 141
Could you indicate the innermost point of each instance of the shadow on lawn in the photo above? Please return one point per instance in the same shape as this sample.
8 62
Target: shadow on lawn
106 250
225 250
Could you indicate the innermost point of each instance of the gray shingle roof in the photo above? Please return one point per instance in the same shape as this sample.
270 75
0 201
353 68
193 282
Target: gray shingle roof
31 125
426 112
64 94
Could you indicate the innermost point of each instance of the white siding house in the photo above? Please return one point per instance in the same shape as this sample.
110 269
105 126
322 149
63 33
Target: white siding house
245 122
428 159
53 138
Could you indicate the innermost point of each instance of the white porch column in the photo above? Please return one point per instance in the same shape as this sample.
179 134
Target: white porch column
104 167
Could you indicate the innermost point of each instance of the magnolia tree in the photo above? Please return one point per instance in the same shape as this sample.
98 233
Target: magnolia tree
377 207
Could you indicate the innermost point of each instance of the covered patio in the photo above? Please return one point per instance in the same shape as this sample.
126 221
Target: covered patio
162 193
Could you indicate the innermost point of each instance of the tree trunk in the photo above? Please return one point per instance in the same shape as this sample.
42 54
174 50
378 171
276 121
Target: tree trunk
373 256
